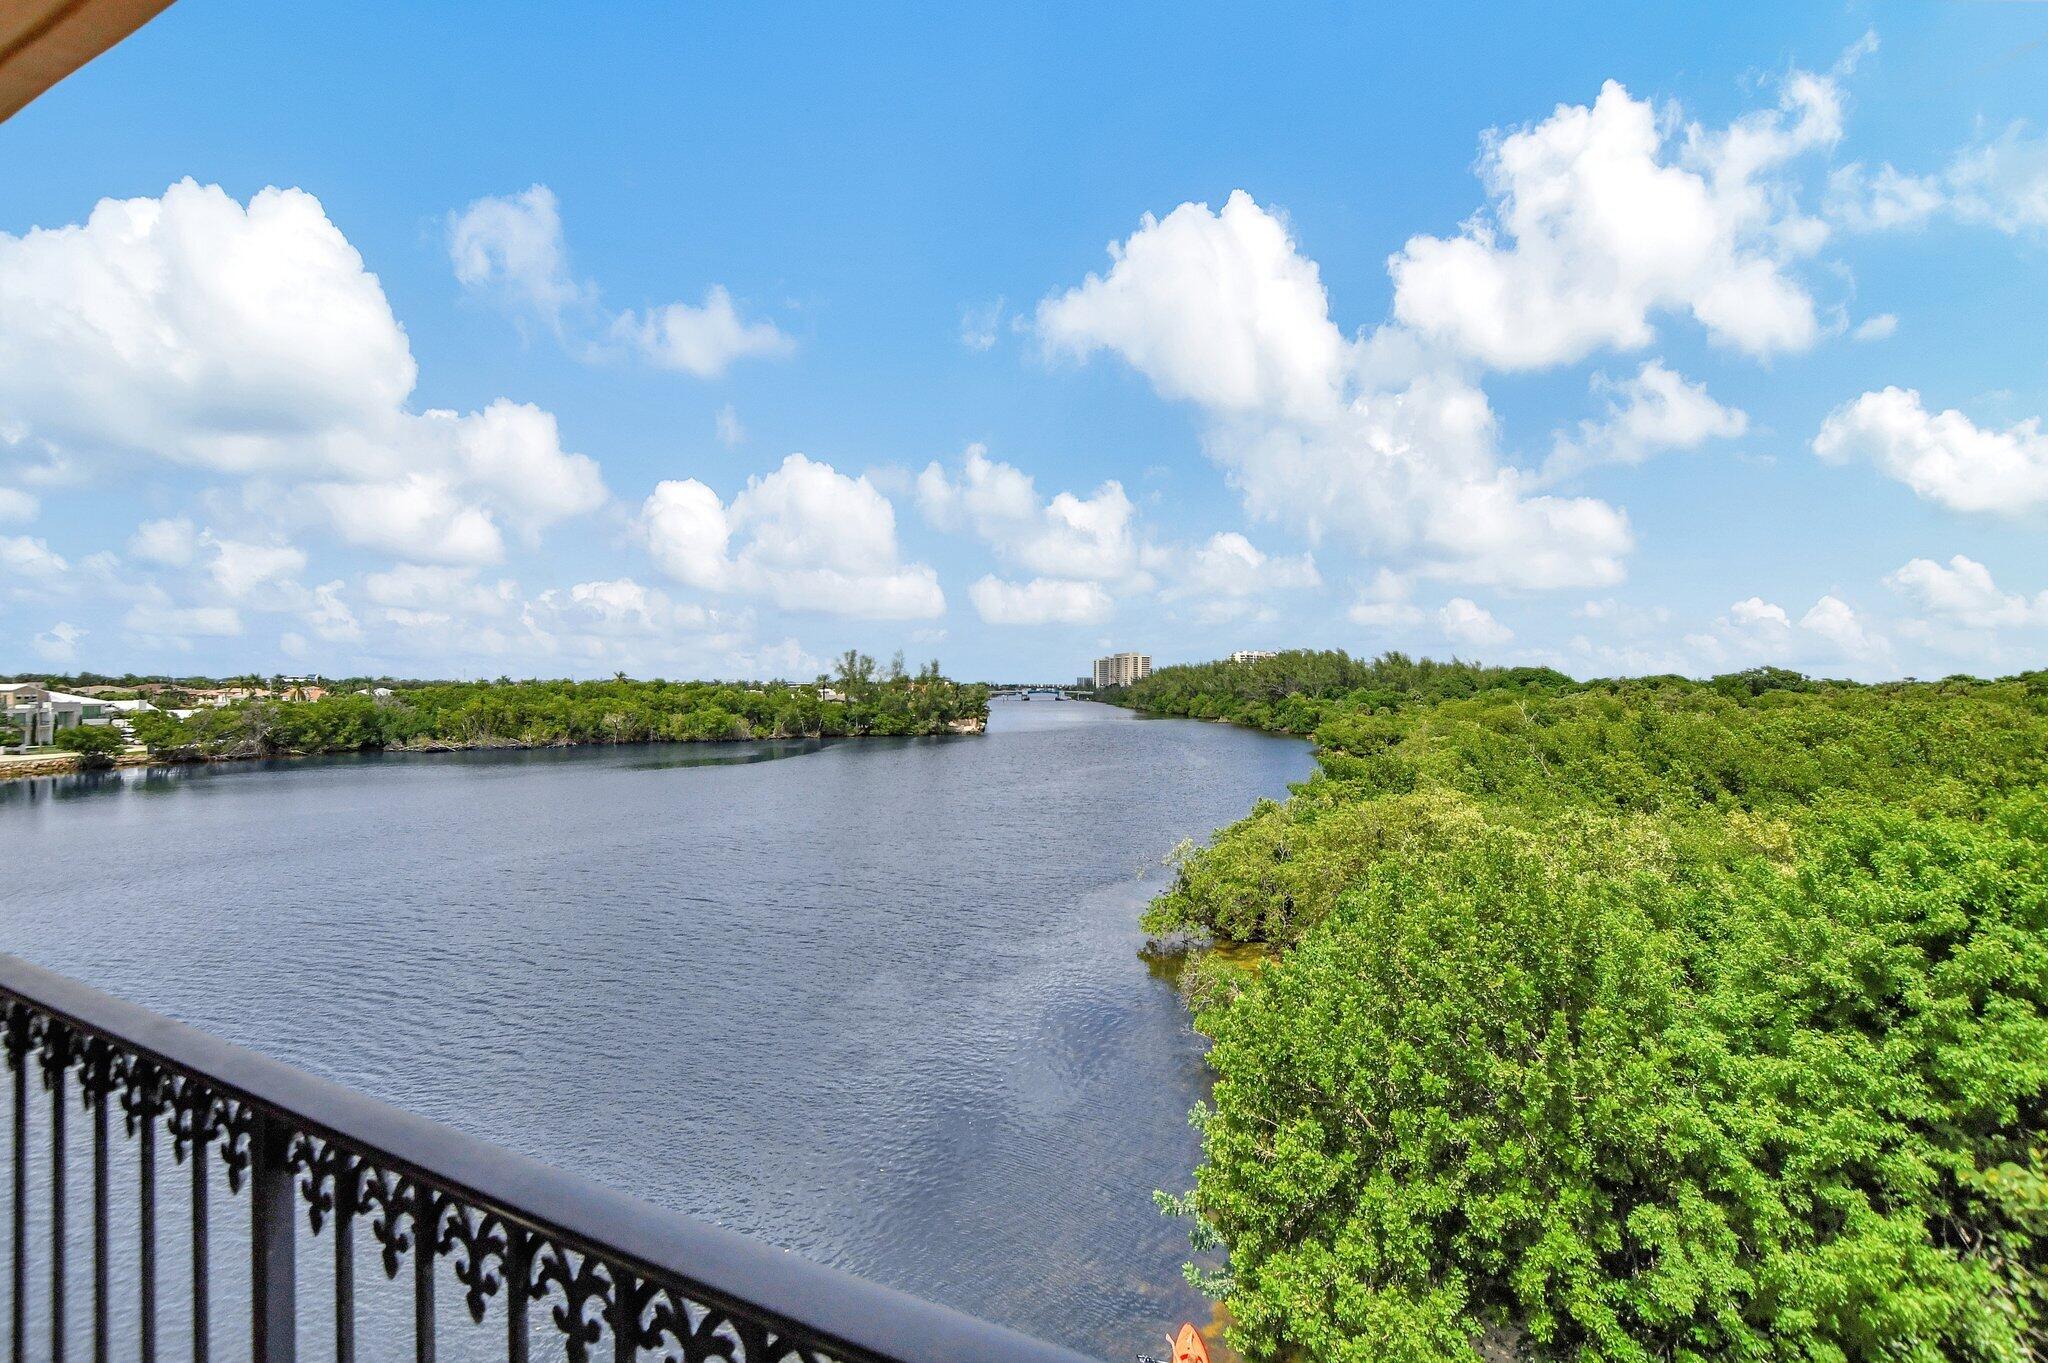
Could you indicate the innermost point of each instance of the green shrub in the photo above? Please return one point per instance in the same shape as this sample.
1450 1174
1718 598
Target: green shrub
1581 1091
97 745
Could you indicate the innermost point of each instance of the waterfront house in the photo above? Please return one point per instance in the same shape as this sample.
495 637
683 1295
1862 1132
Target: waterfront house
41 713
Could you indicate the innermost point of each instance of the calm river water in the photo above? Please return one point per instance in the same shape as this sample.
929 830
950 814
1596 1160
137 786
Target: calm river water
878 1002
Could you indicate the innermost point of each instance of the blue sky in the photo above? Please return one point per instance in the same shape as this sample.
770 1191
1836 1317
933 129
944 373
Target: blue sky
1620 339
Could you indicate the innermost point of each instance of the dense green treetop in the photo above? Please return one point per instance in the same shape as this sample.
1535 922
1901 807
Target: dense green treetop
1650 1019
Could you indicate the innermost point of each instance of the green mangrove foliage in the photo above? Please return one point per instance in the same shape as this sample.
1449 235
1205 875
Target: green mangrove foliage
543 713
1293 692
1634 1020
96 746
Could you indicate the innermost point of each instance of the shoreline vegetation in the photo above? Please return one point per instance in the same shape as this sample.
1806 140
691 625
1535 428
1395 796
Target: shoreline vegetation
1625 1020
859 700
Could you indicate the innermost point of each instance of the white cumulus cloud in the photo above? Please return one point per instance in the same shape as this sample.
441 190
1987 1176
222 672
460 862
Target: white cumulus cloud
513 246
1962 592
329 616
1218 308
28 557
1942 456
1221 309
804 536
1756 613
416 594
419 516
242 567
1466 622
1603 217
1066 535
59 643
1384 603
173 542
249 339
1999 182
1835 622
192 327
1041 601
1226 576
621 606
703 339
514 243
1653 411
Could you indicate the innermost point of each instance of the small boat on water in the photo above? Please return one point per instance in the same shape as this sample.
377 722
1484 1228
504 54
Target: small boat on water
1186 1347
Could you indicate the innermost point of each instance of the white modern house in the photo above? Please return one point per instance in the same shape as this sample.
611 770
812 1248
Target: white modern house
41 713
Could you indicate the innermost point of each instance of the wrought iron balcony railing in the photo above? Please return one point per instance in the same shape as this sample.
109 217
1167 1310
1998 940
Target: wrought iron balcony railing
534 1250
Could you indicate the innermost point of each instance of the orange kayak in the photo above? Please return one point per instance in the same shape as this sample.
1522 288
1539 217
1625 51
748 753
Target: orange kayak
1188 1347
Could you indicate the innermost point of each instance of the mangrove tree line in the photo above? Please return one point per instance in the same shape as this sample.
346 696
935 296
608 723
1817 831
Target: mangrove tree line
1627 1020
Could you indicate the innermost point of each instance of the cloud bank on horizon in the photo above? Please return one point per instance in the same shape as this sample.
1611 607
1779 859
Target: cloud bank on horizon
230 372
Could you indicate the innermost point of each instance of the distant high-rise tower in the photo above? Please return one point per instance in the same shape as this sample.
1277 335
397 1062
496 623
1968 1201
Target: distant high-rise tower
1121 669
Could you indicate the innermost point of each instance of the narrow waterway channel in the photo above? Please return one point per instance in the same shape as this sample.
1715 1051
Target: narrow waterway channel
878 1002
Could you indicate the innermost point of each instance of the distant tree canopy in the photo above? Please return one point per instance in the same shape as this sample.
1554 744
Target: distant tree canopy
540 713
1292 692
1628 1020
96 745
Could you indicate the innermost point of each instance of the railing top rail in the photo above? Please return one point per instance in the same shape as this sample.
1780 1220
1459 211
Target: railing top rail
859 1319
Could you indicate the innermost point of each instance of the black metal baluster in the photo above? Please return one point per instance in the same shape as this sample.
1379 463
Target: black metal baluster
273 1307
518 1288
202 1133
346 1174
146 1158
426 1228
95 1083
625 1321
54 1061
17 1052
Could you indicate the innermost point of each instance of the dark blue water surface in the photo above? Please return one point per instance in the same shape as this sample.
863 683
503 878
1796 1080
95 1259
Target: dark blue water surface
878 1002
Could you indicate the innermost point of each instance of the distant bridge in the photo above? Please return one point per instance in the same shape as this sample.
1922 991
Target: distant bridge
1062 690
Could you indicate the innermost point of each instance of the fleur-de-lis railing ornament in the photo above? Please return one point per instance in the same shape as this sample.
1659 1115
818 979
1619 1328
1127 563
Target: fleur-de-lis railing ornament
101 1071
478 1241
195 1117
54 1052
586 1287
145 1094
328 1180
237 1126
388 1198
686 1332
